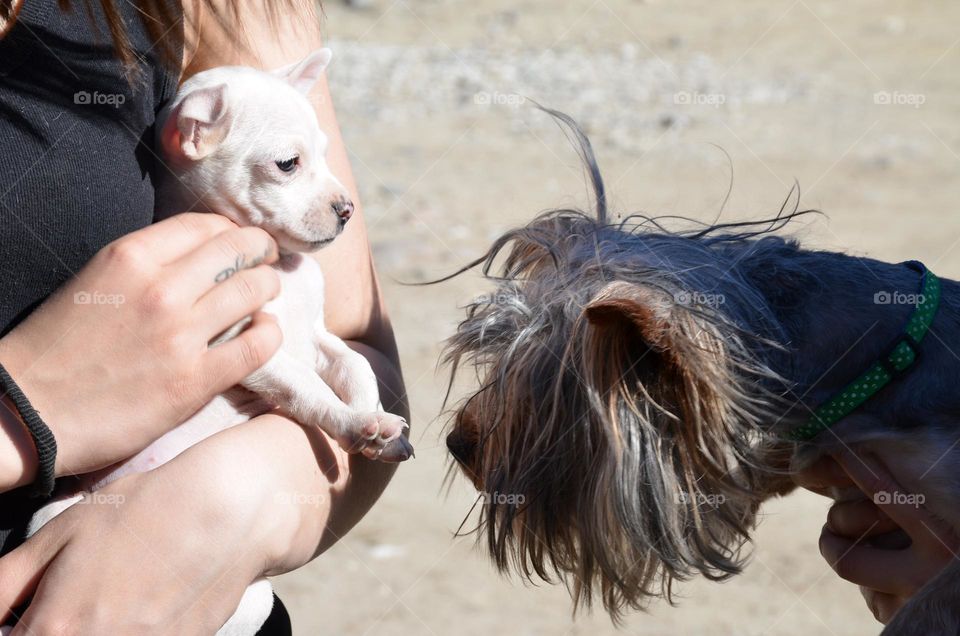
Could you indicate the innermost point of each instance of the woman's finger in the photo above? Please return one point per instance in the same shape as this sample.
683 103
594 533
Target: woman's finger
30 622
882 606
222 257
858 519
881 487
823 475
18 580
235 299
235 359
179 235
864 565
22 569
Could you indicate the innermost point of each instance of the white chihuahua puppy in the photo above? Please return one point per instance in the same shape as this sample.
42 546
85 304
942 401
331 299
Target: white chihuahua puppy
247 144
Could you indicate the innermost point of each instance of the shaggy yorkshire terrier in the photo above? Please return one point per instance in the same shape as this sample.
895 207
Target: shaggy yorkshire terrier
643 391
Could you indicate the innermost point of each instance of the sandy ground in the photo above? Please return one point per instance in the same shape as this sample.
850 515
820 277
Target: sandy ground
856 101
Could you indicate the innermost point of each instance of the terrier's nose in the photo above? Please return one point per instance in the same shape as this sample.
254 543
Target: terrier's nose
460 447
343 208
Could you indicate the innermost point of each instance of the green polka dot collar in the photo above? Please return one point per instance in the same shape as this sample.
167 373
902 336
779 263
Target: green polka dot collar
897 360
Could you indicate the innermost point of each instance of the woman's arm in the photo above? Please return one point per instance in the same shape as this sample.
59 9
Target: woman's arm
174 548
261 498
355 310
18 458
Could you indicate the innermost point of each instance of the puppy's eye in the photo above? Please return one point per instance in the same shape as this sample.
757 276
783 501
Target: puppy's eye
288 165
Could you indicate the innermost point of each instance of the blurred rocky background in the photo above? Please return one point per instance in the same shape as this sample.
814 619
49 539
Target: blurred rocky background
856 102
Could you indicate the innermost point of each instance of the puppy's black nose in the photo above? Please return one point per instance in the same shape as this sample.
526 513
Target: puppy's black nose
343 208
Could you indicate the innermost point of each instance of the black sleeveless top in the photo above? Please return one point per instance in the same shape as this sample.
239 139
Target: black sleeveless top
76 142
77 162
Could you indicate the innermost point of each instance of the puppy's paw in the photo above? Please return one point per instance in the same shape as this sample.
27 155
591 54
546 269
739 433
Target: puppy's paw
377 435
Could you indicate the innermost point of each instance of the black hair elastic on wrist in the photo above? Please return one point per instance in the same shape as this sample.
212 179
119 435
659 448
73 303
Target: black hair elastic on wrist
43 438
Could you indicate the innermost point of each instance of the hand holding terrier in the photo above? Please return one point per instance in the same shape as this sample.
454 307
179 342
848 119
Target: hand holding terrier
889 546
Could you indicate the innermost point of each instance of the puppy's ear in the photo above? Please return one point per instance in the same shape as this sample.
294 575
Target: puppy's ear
305 74
202 120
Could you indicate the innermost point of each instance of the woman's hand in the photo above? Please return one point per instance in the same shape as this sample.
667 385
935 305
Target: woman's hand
888 543
120 355
172 550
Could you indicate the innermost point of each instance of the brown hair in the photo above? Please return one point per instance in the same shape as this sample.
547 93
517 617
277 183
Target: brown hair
159 17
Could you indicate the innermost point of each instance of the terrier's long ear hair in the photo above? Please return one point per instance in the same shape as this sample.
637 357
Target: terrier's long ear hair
622 426
675 393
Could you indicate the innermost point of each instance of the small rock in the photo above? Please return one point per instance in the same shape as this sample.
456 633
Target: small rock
386 551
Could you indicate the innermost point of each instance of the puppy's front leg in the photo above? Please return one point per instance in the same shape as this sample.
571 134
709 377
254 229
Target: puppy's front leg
296 388
347 372
935 609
